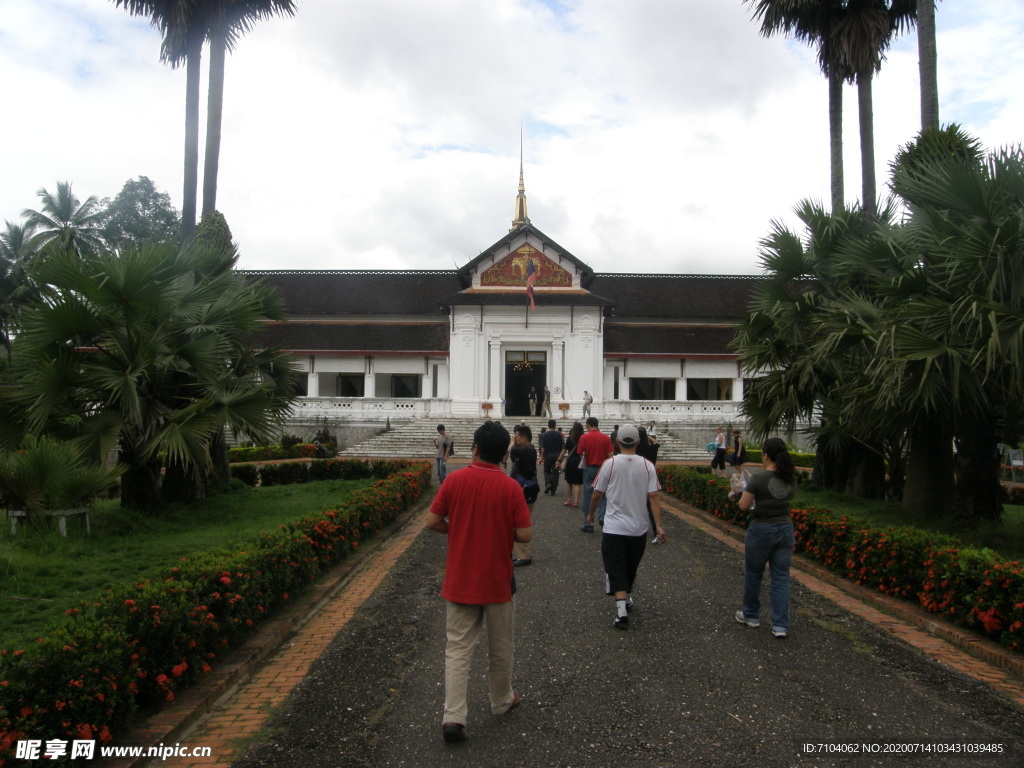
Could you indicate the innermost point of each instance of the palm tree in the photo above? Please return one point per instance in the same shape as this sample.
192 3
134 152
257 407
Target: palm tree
16 288
927 64
183 36
958 343
808 358
151 349
227 21
812 21
852 37
863 33
65 221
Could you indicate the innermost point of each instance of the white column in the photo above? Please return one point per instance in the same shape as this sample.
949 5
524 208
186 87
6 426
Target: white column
556 374
369 382
312 385
494 385
737 389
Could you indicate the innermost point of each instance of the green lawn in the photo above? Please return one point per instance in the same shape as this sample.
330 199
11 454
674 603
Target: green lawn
43 574
1006 538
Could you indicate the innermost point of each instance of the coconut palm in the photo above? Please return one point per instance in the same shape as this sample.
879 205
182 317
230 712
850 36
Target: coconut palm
16 287
183 34
65 221
927 64
811 21
151 348
227 21
851 37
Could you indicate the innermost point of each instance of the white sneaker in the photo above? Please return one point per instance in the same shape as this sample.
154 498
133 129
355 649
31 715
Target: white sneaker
656 540
754 623
779 633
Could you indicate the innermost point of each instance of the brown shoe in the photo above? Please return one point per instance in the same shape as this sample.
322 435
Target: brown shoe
454 732
515 701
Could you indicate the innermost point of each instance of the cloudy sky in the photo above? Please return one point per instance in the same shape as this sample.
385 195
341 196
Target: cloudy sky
659 135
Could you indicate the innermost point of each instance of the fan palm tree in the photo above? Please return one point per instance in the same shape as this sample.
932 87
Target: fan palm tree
801 376
65 221
227 21
151 348
959 343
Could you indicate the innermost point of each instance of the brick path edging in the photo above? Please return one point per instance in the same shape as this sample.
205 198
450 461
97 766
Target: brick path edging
175 721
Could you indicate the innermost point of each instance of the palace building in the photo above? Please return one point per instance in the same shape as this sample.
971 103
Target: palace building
526 312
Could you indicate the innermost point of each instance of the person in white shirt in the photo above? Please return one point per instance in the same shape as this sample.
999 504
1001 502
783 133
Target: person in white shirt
628 481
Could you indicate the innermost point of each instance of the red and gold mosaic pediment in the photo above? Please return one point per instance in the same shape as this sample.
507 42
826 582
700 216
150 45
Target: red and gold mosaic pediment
511 270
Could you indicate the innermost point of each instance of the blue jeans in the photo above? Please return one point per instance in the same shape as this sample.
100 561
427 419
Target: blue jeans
768 544
442 470
589 475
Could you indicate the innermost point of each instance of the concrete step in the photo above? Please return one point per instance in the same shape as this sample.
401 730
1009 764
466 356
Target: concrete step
415 439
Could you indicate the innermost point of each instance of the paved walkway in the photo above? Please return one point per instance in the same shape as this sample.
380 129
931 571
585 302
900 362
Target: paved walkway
364 672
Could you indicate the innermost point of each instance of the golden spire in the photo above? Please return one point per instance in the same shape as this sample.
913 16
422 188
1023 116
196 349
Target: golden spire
521 217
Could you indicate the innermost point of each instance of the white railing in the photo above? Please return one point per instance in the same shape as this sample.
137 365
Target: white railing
376 408
671 410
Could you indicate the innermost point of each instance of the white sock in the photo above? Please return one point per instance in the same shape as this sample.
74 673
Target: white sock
620 605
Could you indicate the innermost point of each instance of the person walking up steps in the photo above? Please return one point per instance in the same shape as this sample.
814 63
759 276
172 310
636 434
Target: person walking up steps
483 513
588 400
628 481
443 444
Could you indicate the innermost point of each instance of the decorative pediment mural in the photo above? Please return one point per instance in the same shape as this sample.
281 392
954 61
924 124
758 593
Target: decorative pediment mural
511 270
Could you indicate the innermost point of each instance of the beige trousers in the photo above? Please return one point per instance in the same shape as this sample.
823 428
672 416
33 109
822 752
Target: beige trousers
464 623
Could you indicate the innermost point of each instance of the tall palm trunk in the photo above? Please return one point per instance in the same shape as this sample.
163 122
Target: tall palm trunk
927 64
978 490
191 174
929 488
214 114
835 129
867 147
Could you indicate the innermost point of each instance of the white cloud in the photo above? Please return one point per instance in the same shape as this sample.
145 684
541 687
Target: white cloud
659 136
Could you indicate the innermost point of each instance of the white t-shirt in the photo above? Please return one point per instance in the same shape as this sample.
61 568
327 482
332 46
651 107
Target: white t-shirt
626 480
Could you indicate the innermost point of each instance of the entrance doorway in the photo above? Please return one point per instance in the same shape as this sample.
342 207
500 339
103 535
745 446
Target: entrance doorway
522 371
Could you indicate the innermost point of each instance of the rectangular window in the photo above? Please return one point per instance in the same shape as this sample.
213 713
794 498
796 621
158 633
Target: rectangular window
351 384
405 386
302 386
652 389
709 389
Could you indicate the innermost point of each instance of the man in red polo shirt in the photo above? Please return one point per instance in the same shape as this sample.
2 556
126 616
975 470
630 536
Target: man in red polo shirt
596 448
483 512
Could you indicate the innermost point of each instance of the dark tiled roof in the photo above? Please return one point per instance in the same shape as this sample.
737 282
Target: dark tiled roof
706 297
668 341
361 338
709 297
361 293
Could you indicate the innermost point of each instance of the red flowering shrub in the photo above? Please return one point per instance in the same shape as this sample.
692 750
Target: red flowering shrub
138 645
966 586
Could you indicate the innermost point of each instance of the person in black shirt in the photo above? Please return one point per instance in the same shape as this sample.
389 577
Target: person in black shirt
523 457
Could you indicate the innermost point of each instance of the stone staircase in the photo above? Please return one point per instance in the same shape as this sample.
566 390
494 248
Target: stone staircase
415 440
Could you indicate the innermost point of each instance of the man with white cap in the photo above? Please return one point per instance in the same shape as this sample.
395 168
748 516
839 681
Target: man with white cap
628 481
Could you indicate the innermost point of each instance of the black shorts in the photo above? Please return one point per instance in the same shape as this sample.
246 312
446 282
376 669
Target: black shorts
622 556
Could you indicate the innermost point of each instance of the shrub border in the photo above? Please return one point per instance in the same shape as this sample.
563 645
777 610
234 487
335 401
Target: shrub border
137 646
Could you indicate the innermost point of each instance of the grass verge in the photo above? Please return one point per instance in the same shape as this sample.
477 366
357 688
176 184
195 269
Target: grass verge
43 574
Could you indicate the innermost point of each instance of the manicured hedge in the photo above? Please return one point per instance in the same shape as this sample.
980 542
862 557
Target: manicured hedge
317 469
137 646
273 452
970 587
